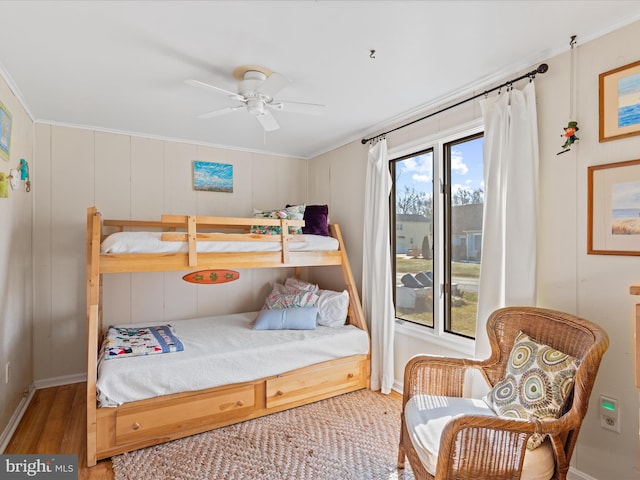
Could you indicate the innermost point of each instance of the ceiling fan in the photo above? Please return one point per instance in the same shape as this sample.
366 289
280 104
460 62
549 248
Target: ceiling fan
257 87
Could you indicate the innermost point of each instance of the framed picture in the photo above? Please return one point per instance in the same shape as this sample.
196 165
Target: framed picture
5 132
620 102
212 177
613 211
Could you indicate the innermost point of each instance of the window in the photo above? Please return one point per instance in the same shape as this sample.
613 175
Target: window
436 224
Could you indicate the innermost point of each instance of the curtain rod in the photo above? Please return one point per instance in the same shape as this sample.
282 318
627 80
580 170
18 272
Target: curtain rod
542 68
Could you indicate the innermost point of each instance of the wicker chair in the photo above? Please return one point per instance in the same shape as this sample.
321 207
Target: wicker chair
490 448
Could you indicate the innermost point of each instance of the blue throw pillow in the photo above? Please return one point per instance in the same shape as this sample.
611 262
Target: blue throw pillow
302 318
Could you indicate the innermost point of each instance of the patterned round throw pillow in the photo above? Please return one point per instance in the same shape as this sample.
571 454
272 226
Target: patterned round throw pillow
537 383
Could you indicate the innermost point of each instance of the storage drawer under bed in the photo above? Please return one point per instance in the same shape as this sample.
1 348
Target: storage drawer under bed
137 422
291 388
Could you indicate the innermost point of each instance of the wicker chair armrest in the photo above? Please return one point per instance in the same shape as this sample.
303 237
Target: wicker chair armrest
477 446
431 375
558 426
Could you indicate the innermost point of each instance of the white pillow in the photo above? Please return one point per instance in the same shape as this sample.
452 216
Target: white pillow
332 308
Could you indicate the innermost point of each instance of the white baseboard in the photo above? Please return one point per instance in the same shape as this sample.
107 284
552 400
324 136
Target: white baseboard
398 386
574 474
8 432
57 381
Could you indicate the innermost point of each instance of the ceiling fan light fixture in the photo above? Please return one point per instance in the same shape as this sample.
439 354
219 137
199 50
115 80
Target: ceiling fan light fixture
255 106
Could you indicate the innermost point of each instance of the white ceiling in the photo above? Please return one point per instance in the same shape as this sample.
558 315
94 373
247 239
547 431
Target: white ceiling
121 65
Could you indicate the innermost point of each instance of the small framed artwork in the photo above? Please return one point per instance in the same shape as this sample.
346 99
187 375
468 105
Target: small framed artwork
5 132
620 102
212 177
613 209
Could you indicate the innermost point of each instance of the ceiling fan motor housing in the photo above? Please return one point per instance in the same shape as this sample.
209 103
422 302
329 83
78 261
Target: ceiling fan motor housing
248 88
252 81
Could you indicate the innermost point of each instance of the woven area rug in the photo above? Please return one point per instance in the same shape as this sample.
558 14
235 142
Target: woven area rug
349 437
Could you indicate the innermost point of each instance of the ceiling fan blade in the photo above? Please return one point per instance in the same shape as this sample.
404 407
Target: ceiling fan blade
296 107
273 84
198 83
217 113
268 121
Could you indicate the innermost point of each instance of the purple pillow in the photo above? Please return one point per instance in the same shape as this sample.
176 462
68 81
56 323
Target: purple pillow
316 220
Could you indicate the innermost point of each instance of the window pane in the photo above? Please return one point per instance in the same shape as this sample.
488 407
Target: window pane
467 201
413 187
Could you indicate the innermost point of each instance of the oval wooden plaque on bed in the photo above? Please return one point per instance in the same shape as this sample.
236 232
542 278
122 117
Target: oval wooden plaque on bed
211 276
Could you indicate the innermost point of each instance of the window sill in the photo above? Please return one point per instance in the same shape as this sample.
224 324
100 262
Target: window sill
463 346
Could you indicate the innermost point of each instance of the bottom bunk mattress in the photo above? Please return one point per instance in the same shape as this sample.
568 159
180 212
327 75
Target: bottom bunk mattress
221 350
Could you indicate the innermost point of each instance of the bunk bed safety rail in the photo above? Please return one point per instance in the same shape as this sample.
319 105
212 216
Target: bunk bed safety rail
192 223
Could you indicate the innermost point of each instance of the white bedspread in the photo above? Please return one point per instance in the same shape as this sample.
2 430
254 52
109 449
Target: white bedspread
222 350
151 242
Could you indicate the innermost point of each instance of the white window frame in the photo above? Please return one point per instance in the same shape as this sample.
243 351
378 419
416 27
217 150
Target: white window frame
437 335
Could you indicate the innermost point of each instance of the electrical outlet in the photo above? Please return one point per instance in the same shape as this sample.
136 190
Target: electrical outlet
609 423
609 414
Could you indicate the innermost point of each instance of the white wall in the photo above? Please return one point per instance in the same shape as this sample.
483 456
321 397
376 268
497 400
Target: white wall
594 287
130 177
16 292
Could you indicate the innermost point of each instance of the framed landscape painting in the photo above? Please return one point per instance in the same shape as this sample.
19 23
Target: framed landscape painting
212 177
613 226
620 102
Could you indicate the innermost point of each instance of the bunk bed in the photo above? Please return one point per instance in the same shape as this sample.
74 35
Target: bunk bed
128 426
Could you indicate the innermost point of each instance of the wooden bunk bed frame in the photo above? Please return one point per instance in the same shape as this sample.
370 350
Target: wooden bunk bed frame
115 430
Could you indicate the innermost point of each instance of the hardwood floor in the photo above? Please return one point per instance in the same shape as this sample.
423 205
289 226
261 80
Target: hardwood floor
55 422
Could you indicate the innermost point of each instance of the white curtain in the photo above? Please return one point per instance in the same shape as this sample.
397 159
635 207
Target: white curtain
377 290
510 223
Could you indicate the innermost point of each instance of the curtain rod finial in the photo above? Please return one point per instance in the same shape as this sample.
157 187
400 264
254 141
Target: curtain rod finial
542 68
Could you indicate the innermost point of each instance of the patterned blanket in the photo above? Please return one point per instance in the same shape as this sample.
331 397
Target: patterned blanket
123 342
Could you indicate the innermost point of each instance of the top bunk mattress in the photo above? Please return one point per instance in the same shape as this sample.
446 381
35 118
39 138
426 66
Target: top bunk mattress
222 350
151 242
